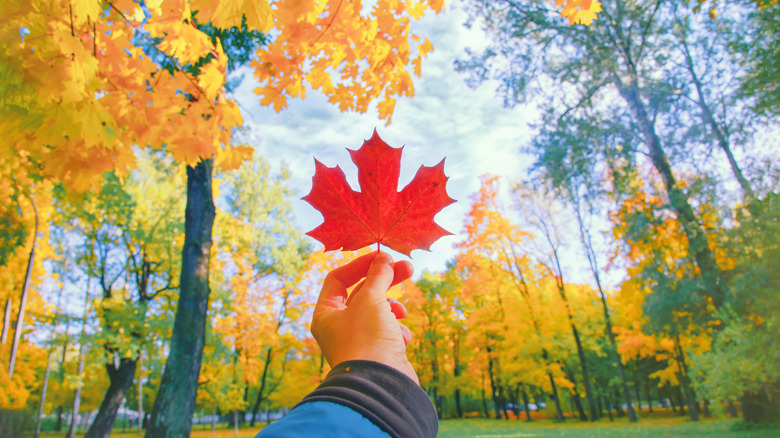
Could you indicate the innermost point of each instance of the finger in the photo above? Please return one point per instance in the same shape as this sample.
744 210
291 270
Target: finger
406 334
378 279
355 291
398 309
338 280
402 271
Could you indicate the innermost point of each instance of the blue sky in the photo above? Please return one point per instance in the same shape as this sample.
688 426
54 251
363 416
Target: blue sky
445 118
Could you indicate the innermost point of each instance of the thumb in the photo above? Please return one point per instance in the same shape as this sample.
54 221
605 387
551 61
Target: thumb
378 279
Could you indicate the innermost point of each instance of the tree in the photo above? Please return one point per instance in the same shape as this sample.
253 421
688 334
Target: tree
491 254
618 103
257 239
126 230
545 216
97 72
751 43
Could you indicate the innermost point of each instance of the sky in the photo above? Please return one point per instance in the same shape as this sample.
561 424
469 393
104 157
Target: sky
445 118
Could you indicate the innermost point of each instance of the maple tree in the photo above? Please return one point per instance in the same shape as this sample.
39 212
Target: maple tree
82 81
379 214
257 242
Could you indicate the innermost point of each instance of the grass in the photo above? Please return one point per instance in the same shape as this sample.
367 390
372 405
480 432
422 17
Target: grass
482 428
666 427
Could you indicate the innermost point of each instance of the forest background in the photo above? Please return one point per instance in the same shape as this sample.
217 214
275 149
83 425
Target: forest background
635 261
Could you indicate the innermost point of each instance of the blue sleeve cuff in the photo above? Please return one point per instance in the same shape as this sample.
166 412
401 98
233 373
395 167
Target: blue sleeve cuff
322 419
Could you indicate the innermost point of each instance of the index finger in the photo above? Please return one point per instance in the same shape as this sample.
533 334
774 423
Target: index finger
338 280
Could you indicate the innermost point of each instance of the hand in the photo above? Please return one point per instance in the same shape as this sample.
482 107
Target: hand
363 325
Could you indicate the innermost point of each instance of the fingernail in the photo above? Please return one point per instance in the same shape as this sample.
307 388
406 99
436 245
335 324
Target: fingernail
383 257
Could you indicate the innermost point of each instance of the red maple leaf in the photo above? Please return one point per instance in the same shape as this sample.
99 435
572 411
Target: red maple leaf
402 221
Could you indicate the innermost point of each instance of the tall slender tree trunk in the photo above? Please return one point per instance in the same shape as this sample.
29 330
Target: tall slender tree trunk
609 408
121 379
175 402
557 273
558 409
484 399
697 241
680 402
522 288
493 385
43 395
618 408
525 404
23 302
77 398
140 393
61 377
690 395
261 390
456 372
587 245
214 421
82 354
708 116
49 353
6 321
649 397
575 395
732 409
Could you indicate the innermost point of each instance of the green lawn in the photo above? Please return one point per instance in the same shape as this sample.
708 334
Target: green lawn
671 427
479 428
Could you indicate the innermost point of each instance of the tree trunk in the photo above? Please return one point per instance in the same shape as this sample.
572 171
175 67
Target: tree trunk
584 368
214 422
493 386
175 402
61 377
43 395
49 353
638 396
514 396
587 245
575 395
456 372
709 119
732 409
6 321
484 399
77 398
23 302
82 354
693 407
752 411
647 393
140 393
697 241
680 402
558 274
558 411
618 408
121 379
525 405
263 379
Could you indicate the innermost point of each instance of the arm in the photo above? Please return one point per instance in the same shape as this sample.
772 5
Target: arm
372 381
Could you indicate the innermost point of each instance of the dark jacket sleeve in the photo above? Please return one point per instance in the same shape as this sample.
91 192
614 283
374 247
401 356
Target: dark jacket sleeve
381 394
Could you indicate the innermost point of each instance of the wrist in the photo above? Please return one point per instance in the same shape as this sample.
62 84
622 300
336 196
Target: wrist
393 360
